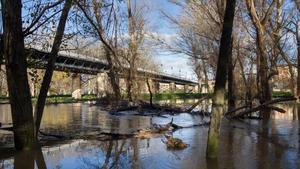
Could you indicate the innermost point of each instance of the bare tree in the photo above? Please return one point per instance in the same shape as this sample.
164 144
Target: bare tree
260 19
106 29
25 126
221 78
15 61
136 33
39 109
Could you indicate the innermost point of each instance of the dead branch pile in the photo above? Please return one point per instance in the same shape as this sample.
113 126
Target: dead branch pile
147 109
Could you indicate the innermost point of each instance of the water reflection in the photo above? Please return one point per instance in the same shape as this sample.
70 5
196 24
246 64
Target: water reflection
29 159
247 145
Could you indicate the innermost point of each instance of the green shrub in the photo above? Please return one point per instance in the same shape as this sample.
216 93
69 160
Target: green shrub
281 94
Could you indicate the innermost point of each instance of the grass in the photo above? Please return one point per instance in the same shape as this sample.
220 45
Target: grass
69 99
161 96
56 99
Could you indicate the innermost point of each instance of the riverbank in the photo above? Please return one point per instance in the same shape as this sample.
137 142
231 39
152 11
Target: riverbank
59 99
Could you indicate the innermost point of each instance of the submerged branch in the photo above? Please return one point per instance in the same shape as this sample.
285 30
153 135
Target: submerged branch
262 106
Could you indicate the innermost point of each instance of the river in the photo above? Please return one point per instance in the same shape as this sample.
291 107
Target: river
244 145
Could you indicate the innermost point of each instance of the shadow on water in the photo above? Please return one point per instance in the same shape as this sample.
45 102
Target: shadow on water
250 144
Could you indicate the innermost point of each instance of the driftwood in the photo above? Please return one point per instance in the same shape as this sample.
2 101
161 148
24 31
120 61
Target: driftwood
174 143
263 106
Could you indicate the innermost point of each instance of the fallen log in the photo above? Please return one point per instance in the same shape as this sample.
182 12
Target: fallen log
235 110
52 135
280 110
262 106
197 103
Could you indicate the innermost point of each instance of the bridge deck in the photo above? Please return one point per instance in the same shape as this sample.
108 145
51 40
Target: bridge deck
77 63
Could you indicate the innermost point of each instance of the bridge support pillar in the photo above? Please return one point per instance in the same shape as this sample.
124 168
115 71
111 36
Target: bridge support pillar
76 86
172 87
102 84
196 89
156 87
186 88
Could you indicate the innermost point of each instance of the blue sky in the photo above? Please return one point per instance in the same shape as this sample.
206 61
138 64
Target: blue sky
170 63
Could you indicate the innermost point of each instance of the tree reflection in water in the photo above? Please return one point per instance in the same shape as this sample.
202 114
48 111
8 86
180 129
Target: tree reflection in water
112 150
28 159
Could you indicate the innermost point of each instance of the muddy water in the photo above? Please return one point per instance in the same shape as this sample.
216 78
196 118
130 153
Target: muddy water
244 145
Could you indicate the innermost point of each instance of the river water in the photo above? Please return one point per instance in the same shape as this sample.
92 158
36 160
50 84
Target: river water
244 145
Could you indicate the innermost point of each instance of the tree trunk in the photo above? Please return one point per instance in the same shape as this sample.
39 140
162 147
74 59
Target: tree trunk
220 85
265 93
264 85
205 75
231 83
132 54
150 92
1 50
16 73
263 75
51 65
113 76
298 61
248 92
